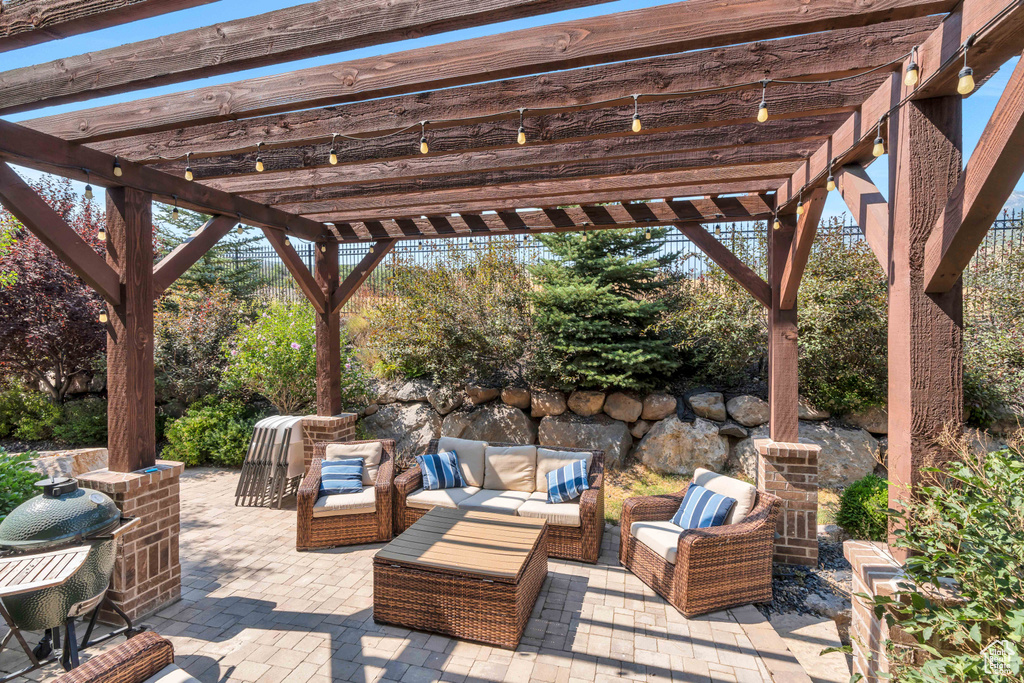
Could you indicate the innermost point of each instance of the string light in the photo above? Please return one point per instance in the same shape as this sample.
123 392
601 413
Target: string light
189 176
913 74
800 204
117 168
965 84
101 234
424 147
637 126
287 242
88 187
323 248
174 211
777 224
334 151
762 109
879 148
831 178
103 317
647 235
259 158
371 248
521 136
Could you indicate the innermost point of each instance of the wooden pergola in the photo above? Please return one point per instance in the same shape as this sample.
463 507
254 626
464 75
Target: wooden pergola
832 73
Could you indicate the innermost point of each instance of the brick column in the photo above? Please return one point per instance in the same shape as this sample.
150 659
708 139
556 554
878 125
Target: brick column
147 573
790 471
873 572
341 427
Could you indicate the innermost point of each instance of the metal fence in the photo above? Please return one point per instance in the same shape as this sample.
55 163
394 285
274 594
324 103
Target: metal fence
746 238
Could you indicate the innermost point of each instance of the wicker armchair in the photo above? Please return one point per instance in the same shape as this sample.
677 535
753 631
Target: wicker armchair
133 661
716 568
582 543
327 532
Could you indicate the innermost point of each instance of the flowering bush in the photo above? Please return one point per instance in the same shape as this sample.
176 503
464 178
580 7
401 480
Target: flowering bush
275 357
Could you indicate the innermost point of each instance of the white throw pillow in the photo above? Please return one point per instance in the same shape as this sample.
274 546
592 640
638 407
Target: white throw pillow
549 460
510 468
745 494
369 452
471 458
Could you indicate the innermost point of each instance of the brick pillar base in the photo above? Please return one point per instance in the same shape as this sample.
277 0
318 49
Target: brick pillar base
790 471
873 572
341 427
147 573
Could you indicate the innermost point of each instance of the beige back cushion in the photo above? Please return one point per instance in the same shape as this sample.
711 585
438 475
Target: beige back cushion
549 460
471 458
744 493
510 468
369 452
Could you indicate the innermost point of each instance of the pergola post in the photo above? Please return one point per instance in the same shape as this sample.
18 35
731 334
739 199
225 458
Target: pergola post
925 330
328 334
782 341
131 397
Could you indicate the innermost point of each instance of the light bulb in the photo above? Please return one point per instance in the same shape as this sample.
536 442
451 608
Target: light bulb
239 229
371 250
879 148
117 168
259 164
777 224
647 235
762 112
103 317
424 147
101 235
965 86
521 137
637 126
174 214
188 173
88 191
334 157
323 248
831 183
799 208
913 75
584 237
287 242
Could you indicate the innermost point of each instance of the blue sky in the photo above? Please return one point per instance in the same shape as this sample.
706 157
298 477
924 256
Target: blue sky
977 108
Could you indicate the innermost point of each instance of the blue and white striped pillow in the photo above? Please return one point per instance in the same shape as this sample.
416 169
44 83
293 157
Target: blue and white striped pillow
568 483
341 476
702 508
440 470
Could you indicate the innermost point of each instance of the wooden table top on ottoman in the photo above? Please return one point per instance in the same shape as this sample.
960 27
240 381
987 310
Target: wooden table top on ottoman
471 575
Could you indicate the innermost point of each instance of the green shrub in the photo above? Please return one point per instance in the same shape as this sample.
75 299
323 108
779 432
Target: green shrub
16 480
863 509
27 415
210 433
963 530
82 423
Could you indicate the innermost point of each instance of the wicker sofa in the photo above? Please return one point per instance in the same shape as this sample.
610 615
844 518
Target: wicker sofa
703 570
574 529
347 518
146 658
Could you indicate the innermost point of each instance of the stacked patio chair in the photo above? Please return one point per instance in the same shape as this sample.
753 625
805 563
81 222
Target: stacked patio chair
273 463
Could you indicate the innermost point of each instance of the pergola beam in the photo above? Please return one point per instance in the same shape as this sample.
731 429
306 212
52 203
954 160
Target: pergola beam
30 148
293 262
992 172
869 209
800 250
47 225
308 30
665 29
728 261
360 273
183 256
30 22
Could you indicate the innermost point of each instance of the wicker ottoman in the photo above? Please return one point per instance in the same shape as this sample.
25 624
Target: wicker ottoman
470 575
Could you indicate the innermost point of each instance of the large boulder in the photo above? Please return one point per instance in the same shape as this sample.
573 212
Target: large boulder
749 411
658 407
493 422
598 432
444 399
709 405
411 425
544 403
516 396
874 419
676 447
415 390
622 406
478 395
586 403
846 454
381 391
807 411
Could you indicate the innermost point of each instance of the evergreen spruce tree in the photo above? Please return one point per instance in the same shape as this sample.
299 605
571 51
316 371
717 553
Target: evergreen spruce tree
226 264
597 300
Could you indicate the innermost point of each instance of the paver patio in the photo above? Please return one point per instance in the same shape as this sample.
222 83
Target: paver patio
253 609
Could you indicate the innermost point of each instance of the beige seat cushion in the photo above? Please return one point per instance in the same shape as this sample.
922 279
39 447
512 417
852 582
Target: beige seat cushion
171 674
495 501
444 498
745 494
661 537
346 503
510 468
369 452
549 460
471 458
561 514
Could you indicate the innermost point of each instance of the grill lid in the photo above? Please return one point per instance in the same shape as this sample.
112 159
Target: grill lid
64 513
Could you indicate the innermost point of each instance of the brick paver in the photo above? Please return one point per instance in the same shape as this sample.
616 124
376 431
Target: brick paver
255 610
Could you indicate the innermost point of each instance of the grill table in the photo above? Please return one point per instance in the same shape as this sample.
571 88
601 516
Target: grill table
471 575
